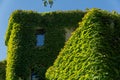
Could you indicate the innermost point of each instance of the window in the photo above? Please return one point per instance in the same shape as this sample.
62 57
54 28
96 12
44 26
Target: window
40 40
40 36
34 76
68 33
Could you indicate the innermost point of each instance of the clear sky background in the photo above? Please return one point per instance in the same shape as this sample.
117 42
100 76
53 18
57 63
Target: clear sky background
8 6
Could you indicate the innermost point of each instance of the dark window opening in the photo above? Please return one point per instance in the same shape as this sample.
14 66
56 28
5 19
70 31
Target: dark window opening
34 75
40 31
40 35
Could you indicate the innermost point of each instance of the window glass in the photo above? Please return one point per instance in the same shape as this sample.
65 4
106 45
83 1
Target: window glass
40 37
34 76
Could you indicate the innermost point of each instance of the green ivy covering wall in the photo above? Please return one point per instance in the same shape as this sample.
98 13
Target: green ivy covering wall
92 52
22 54
2 69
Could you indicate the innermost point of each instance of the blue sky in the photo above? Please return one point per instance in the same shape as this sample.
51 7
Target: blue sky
8 6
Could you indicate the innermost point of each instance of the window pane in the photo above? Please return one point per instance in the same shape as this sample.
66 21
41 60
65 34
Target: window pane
34 77
40 39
